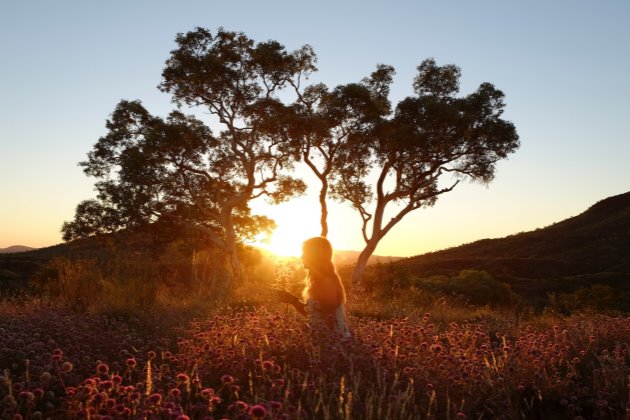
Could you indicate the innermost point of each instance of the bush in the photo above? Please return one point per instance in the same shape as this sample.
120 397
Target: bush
78 283
479 287
599 297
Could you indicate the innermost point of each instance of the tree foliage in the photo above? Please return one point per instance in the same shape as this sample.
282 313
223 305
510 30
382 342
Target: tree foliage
428 135
176 168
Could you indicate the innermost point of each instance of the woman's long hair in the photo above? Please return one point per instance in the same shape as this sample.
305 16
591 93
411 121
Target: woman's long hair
322 282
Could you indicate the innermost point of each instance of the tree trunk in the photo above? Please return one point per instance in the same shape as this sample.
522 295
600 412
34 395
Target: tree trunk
236 268
322 202
357 274
231 248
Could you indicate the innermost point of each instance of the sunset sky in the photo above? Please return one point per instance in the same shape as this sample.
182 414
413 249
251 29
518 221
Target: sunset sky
564 67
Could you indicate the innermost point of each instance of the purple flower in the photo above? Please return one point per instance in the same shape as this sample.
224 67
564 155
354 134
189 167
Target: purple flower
102 368
207 392
257 411
155 398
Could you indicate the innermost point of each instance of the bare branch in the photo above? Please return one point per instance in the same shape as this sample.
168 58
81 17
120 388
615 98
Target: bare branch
314 168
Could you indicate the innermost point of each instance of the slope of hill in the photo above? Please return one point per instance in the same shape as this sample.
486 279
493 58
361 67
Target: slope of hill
16 268
342 258
593 247
15 248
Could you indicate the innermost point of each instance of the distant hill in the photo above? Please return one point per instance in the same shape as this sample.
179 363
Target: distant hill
350 257
593 247
15 248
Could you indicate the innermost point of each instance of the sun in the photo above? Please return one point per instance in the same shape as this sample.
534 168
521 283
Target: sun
285 241
294 222
284 244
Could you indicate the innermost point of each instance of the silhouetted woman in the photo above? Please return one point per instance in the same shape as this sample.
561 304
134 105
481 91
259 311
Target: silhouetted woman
324 293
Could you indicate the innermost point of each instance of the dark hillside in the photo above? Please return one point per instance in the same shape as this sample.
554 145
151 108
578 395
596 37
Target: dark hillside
146 243
593 247
16 268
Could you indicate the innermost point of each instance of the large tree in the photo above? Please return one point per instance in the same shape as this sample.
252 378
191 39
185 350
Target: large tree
428 135
150 168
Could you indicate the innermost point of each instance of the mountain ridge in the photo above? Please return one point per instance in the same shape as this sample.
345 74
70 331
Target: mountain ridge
590 248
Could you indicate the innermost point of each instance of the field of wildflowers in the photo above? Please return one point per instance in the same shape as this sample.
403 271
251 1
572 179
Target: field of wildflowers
266 363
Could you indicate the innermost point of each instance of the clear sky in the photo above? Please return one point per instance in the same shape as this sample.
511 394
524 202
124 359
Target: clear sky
563 65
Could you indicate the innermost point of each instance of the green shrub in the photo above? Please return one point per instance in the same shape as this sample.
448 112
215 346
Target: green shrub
600 297
478 287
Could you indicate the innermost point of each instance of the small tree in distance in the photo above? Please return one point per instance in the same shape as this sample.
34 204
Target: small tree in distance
428 135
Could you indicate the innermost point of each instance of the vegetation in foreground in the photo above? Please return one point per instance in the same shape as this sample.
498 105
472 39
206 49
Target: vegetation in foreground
458 361
158 336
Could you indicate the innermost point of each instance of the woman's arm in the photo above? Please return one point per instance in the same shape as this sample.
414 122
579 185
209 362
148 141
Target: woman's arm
287 297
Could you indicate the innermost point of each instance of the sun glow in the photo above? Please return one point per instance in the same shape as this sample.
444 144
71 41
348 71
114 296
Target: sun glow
283 243
294 225
286 240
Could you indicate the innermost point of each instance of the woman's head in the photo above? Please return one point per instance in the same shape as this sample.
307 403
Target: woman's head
323 283
317 253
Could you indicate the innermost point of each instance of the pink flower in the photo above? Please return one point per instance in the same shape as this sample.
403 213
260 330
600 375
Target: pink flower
257 411
26 395
155 398
207 392
102 368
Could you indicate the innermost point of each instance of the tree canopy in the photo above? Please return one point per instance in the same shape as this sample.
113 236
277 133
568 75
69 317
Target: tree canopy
177 168
382 159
